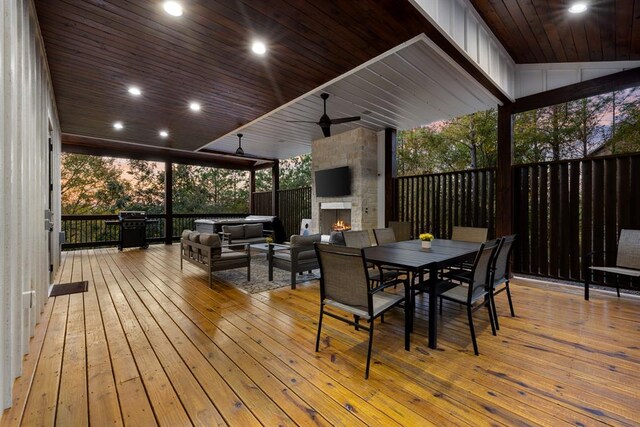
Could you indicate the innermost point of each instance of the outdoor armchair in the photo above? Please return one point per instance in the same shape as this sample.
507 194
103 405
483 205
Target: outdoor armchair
299 257
345 285
206 251
627 260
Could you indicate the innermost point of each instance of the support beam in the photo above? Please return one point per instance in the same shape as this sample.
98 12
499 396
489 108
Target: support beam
252 189
275 187
612 82
504 187
168 203
390 172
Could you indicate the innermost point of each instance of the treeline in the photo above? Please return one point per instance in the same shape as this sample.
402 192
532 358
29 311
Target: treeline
608 124
102 185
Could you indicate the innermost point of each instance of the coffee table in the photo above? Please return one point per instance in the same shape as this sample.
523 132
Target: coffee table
264 247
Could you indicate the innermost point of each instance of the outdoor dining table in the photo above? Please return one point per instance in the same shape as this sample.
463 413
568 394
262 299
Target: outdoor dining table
409 256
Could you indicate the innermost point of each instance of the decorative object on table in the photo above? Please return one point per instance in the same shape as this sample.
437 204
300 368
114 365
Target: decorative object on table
426 240
268 239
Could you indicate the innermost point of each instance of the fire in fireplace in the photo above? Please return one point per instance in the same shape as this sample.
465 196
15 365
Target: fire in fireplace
341 226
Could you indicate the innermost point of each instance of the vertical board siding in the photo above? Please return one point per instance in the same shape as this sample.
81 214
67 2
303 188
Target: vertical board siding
294 205
26 106
437 202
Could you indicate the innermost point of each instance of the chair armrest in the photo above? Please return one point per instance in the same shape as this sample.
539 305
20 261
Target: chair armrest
224 236
267 233
590 255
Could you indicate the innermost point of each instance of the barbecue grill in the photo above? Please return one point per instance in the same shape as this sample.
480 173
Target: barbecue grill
133 229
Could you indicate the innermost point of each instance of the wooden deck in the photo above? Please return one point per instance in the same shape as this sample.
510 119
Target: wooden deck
150 344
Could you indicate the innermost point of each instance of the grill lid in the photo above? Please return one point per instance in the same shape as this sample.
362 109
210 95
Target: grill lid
132 215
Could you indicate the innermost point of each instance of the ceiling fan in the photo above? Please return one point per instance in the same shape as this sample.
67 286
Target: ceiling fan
325 122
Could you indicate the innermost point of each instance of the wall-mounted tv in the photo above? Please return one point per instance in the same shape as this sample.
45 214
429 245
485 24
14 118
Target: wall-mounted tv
333 182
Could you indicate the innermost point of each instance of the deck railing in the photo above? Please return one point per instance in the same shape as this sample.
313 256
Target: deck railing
90 231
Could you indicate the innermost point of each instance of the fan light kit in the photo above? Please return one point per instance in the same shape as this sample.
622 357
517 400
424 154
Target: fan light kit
173 8
239 150
325 122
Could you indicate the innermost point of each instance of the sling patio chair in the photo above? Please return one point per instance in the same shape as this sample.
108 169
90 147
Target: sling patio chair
362 239
477 293
627 261
345 285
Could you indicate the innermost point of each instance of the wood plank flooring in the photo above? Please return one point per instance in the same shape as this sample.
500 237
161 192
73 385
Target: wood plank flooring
150 344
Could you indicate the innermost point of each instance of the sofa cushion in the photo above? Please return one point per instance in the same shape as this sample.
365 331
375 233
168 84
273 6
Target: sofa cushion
211 240
236 231
185 234
252 230
297 240
286 255
194 236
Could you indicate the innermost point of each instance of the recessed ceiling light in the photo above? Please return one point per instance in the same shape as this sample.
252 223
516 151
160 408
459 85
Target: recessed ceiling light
173 8
135 91
578 8
118 125
164 133
259 47
194 106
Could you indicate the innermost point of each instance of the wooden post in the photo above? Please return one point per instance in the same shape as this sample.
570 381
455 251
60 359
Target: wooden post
275 187
390 172
504 184
168 203
252 189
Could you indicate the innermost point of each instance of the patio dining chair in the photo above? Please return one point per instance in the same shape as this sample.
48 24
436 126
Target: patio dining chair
362 239
469 234
401 230
345 285
627 260
478 291
500 274
384 235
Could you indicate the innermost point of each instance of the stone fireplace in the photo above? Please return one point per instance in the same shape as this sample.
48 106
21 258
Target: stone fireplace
356 149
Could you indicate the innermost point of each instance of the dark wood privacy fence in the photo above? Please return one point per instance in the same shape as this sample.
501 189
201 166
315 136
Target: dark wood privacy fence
294 205
436 202
564 210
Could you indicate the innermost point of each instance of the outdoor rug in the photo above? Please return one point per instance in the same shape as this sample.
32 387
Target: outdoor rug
260 276
69 288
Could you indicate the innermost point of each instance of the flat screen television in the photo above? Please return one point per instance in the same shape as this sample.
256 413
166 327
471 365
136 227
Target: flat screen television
333 182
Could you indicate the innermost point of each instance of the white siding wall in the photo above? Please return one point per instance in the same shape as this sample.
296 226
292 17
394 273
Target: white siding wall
26 108
459 21
536 78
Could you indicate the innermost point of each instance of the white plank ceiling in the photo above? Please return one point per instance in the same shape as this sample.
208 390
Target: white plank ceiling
412 85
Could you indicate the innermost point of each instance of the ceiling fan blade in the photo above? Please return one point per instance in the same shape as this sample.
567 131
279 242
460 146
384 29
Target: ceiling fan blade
301 121
326 131
345 120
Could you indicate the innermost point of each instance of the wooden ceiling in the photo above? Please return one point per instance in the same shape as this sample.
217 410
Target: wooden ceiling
96 49
541 31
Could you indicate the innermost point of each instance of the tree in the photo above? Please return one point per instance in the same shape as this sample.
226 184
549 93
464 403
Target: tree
147 186
91 185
